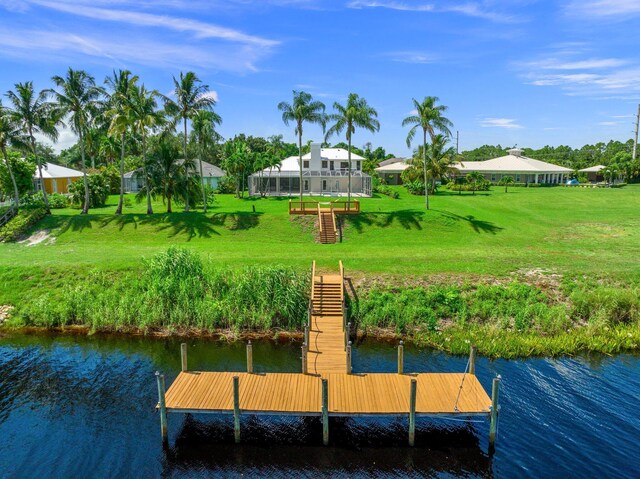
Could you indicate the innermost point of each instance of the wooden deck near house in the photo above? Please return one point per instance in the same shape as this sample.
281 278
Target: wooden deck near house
326 385
311 207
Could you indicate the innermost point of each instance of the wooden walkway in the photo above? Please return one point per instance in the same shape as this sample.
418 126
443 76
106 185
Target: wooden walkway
349 394
327 386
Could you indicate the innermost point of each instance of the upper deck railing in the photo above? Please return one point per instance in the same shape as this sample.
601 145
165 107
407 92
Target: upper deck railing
312 207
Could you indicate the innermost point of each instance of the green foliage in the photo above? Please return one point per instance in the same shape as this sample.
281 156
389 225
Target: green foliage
478 186
57 201
22 171
176 292
386 190
98 190
415 187
226 185
20 224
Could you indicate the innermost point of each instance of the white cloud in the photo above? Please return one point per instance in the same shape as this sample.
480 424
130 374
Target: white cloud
609 123
470 9
411 57
210 94
589 64
66 139
508 123
603 8
201 30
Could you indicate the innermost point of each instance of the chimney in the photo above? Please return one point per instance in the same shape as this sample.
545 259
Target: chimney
515 152
316 160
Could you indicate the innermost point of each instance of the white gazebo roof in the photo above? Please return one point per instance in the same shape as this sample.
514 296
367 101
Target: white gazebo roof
512 163
51 170
593 169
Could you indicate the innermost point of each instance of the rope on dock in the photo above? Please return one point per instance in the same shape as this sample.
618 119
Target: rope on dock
466 369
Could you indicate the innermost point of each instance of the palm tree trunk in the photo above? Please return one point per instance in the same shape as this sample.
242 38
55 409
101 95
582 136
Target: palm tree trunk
16 193
424 159
168 195
85 207
204 193
186 167
144 172
35 155
349 185
121 200
300 158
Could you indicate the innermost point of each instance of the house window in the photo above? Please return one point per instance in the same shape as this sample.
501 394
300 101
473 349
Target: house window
358 165
325 164
517 178
306 185
344 165
324 185
305 164
493 176
332 165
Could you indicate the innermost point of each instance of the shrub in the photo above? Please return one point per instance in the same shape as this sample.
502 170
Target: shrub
386 190
18 226
57 201
98 190
227 185
415 187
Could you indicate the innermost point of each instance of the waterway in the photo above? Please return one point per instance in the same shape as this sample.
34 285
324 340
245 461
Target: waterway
78 406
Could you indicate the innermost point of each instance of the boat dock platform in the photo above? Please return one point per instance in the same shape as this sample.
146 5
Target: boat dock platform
327 386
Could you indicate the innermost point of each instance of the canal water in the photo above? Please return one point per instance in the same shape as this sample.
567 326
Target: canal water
76 406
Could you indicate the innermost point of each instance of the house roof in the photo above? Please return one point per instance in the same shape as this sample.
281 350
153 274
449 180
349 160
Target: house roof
208 170
392 160
51 170
512 163
326 154
397 167
593 169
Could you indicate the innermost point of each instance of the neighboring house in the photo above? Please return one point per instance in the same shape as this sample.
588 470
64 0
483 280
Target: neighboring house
56 178
324 173
521 168
134 180
391 170
594 173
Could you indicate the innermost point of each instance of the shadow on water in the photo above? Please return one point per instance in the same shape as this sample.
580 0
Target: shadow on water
479 226
363 447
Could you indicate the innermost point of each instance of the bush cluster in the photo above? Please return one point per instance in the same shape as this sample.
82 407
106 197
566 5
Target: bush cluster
386 190
99 187
20 224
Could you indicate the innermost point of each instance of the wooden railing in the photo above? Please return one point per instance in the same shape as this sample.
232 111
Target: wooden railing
320 218
7 215
313 278
311 207
333 220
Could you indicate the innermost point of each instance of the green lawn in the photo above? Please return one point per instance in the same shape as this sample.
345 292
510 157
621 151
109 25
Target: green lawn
567 230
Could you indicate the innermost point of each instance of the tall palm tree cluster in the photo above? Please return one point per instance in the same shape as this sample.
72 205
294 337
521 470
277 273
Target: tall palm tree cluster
128 113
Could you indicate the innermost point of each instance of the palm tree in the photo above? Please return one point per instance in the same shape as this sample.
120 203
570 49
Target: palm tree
474 178
506 181
167 172
120 84
356 112
440 159
34 114
191 96
9 135
79 99
303 109
142 110
237 158
203 124
429 117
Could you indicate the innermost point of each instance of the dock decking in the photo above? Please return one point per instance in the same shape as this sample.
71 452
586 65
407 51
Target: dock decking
327 386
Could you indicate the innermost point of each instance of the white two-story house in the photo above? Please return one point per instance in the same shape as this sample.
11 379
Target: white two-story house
325 172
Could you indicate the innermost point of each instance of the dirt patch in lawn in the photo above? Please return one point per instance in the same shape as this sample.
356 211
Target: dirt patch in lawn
39 237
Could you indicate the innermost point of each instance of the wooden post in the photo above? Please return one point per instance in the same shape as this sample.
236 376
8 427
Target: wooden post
163 406
347 335
304 358
236 408
493 427
472 360
183 356
306 334
249 358
401 358
349 357
412 413
325 412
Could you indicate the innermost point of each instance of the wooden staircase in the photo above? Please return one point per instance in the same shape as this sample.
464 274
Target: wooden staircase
326 347
327 222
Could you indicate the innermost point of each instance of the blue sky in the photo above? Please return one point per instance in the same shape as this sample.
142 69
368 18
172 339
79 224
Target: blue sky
520 72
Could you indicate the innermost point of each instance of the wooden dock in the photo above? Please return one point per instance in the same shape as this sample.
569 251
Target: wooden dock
326 385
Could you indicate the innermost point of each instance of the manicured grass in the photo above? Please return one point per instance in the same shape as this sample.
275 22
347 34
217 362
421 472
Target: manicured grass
561 229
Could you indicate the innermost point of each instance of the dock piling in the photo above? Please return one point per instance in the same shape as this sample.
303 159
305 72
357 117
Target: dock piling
163 406
249 358
412 413
306 334
304 358
183 356
347 335
493 427
325 412
401 357
349 357
472 360
236 408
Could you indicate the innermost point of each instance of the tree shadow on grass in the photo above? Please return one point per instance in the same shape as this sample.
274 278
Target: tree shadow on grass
182 224
407 219
121 221
479 226
75 223
237 221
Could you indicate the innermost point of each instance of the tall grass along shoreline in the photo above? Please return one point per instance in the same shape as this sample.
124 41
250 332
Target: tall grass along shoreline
177 293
